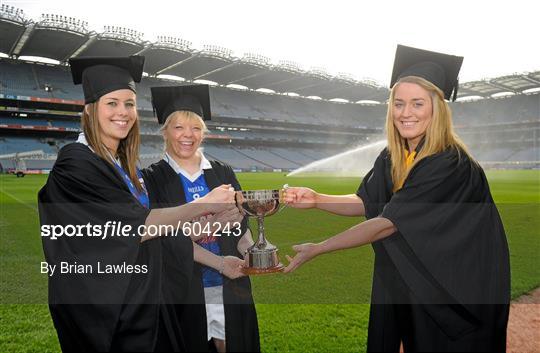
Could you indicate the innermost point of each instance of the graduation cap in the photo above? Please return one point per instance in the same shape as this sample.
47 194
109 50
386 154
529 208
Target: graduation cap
440 69
193 98
101 75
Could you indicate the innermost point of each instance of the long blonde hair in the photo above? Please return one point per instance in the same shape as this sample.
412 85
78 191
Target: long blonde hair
187 115
128 149
440 134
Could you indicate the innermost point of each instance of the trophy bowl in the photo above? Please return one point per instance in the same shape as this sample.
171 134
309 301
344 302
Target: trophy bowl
262 256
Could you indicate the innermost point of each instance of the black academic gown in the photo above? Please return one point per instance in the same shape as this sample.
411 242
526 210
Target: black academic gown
108 312
442 281
241 328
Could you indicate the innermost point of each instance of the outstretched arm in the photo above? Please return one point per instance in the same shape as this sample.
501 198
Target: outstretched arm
361 234
218 200
343 205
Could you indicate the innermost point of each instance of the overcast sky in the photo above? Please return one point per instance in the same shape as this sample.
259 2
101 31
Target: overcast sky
356 37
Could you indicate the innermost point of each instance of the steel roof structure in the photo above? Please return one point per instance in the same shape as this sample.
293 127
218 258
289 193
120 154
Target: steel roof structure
60 37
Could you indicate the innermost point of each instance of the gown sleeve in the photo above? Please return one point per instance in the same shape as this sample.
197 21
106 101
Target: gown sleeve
241 326
83 189
450 248
164 190
376 187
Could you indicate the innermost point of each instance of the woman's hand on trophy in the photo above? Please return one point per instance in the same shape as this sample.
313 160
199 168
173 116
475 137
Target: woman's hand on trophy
219 199
233 267
304 253
300 197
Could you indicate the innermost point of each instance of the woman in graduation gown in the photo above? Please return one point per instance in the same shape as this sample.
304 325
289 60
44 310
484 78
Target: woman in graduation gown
228 319
441 277
106 291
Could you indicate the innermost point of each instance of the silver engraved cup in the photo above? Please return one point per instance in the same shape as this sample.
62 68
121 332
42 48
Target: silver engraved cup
262 256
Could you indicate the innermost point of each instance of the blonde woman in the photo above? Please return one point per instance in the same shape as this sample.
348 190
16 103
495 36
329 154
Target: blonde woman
441 277
220 310
107 270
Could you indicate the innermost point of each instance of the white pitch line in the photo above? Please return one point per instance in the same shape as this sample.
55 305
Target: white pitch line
19 200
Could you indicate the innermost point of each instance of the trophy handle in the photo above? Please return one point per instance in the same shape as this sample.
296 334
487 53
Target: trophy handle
282 203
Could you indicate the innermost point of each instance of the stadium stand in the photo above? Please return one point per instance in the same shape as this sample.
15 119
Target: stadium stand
251 130
20 144
528 154
17 78
58 81
234 158
497 110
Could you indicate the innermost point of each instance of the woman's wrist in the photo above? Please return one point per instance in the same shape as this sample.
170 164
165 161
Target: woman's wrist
317 199
222 265
202 205
320 248
198 201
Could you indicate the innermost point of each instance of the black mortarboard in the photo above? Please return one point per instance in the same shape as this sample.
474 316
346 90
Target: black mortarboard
193 98
440 69
101 75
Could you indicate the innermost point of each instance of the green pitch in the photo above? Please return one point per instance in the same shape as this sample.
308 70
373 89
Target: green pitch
321 307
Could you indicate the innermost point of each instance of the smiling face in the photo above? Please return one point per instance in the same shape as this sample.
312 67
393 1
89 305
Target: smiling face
183 133
412 111
117 112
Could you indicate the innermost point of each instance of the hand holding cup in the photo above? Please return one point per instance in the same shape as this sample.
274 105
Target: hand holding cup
219 199
300 197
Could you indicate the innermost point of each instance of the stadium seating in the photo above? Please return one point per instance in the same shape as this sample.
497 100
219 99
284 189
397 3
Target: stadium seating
41 122
502 110
23 78
23 144
17 78
527 154
58 79
66 123
271 141
234 158
23 121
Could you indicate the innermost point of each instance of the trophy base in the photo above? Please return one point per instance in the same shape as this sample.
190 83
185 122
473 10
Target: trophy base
261 271
262 257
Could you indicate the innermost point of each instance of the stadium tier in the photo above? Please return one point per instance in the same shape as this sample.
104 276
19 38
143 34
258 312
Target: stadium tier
40 110
18 78
497 110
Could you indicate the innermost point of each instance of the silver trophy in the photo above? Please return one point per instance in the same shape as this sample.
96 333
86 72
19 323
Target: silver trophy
262 256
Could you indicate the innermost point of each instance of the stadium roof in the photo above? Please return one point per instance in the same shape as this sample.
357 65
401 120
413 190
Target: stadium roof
60 37
515 83
12 26
164 54
50 43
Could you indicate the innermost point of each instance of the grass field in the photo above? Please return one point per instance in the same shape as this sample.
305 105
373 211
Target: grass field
321 307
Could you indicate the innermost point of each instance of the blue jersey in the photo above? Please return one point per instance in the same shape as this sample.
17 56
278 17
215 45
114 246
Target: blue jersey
194 190
142 196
